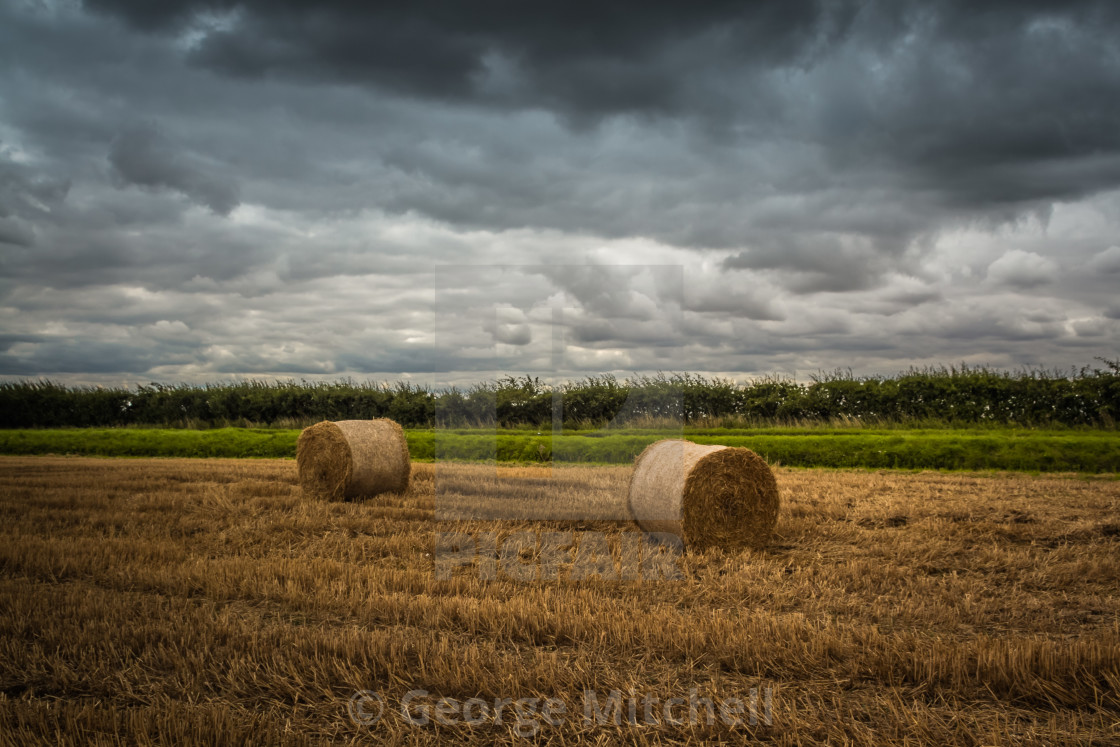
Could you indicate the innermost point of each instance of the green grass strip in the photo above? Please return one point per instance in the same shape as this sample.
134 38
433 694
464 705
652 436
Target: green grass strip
1008 449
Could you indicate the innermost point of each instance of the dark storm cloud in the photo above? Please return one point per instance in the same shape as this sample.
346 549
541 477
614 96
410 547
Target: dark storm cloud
89 357
24 198
889 120
145 157
582 57
814 263
6 340
201 187
16 232
947 86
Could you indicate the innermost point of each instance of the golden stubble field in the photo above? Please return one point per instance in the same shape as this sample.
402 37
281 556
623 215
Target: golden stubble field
183 601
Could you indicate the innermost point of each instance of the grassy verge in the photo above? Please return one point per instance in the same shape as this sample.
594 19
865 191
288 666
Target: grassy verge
1008 449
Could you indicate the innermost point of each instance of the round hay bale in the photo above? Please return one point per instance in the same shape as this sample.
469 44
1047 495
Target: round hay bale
352 458
709 496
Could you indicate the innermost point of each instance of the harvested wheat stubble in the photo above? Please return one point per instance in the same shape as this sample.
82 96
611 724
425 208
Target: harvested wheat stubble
352 459
709 496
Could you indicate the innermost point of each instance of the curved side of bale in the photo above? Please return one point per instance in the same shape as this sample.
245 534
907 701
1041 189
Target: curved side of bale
657 483
709 496
352 458
380 455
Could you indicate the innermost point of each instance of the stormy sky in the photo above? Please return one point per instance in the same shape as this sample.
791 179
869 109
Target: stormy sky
202 190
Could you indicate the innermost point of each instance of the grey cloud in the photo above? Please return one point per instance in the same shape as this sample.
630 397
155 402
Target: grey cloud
23 193
822 263
8 340
513 334
993 320
16 232
161 256
579 57
680 183
723 295
815 178
1094 328
740 303
626 334
638 292
1107 261
509 326
78 356
143 156
24 199
1022 269
252 364
988 107
412 359
897 300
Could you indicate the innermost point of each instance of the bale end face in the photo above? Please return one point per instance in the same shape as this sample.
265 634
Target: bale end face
324 461
730 500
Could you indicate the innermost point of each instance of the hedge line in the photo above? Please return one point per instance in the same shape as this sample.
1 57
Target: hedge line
1089 397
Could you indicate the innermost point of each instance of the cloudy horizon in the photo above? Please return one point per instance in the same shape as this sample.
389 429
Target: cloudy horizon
206 190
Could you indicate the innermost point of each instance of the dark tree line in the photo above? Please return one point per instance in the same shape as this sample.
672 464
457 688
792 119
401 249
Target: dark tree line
1088 397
